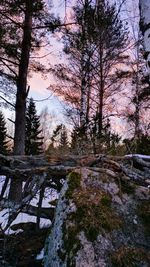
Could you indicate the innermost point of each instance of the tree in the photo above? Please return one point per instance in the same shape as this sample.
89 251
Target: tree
22 27
110 41
95 49
59 139
22 30
63 138
3 136
137 109
33 140
48 122
144 6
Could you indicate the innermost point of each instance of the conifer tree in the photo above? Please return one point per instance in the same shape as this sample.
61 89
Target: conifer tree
63 138
24 25
3 130
33 140
59 137
95 51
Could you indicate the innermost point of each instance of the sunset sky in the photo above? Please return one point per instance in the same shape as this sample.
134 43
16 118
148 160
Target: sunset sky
39 85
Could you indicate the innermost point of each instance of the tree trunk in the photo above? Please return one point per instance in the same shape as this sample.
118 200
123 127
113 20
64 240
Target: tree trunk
101 95
20 108
101 89
41 196
83 105
99 6
144 6
84 72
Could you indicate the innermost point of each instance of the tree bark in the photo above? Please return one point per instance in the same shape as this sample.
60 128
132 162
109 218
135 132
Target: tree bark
84 72
144 6
101 76
41 196
20 107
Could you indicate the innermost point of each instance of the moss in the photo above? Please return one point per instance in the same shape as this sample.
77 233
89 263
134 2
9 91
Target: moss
106 200
71 245
127 187
93 216
70 233
144 214
129 257
74 180
94 213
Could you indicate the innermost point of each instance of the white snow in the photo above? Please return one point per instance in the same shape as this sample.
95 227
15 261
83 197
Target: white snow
40 256
138 155
21 218
2 180
50 195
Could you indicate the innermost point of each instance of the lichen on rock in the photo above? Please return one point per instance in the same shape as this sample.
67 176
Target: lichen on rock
94 221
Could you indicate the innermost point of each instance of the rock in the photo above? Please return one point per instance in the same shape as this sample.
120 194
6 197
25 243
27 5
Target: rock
85 256
99 222
142 192
147 181
117 200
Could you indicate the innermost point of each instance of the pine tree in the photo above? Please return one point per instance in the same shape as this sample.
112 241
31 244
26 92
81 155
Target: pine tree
24 25
3 130
95 51
63 138
33 140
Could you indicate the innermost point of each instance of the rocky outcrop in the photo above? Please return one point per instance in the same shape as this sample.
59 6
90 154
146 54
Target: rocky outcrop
102 218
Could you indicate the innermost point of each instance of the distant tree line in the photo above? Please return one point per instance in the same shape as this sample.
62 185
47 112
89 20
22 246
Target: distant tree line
60 141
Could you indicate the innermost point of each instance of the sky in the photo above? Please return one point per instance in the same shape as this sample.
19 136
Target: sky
39 85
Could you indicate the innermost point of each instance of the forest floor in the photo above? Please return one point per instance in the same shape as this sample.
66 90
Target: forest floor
23 249
22 245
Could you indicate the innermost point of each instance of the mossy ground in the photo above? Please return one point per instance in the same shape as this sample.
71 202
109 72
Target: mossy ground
127 187
93 216
129 257
144 214
74 180
94 213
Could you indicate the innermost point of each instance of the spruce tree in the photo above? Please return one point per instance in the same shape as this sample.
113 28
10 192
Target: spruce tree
63 138
33 140
3 130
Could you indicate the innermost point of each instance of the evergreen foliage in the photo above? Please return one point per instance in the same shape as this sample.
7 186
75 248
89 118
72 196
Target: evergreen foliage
33 140
63 137
3 130
59 139
95 51
143 145
139 145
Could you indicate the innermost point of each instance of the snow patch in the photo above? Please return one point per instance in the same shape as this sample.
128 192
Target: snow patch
138 155
40 256
23 217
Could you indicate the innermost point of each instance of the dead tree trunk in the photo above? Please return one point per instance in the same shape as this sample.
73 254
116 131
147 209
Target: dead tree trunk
41 196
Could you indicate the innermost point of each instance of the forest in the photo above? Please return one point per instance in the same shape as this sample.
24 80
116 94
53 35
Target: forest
74 178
